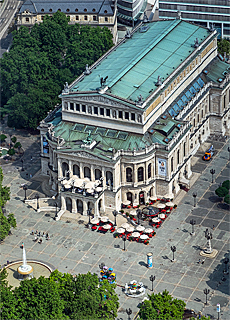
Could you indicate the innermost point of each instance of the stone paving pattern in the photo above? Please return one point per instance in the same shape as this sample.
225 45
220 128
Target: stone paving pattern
74 248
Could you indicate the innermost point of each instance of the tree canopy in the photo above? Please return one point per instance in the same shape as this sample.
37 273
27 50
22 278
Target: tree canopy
40 61
223 46
221 192
61 296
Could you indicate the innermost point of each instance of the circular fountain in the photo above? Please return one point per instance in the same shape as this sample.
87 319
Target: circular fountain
25 271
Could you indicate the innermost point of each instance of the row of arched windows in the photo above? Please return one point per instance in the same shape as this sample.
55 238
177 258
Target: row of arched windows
140 173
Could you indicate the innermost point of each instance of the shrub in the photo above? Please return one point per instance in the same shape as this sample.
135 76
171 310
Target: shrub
14 139
226 184
221 192
11 152
3 137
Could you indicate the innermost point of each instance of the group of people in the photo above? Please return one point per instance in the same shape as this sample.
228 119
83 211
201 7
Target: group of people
108 274
38 234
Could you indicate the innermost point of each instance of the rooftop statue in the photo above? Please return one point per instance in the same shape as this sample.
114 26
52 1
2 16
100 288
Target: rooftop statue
87 71
103 81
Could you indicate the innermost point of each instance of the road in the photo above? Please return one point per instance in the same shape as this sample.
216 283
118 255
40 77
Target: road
7 13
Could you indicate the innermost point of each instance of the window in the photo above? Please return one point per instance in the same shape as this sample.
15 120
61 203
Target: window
76 10
85 17
126 115
202 113
198 118
94 18
149 171
140 174
105 11
42 10
77 107
108 112
94 10
50 10
59 9
95 110
106 19
184 149
27 19
77 17
194 122
129 175
178 156
67 10
133 116
172 164
120 115
85 10
71 106
101 111
224 102
83 108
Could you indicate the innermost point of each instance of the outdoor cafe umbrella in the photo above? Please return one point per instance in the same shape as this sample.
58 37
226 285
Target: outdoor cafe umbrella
98 189
94 221
161 206
107 226
156 220
90 190
169 196
125 225
104 219
89 184
148 230
140 228
130 229
150 208
78 182
120 230
161 215
133 213
126 202
67 186
169 204
136 234
65 181
153 198
144 237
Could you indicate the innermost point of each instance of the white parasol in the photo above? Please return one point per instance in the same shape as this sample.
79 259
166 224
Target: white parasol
133 213
89 185
125 225
161 206
78 182
104 219
107 226
144 237
126 202
140 228
169 204
148 230
130 229
67 186
161 215
90 190
135 204
120 230
169 196
98 189
136 234
94 221
153 198
156 220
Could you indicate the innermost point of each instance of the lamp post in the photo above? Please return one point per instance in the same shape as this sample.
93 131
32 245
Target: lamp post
173 249
206 292
89 214
208 236
25 188
56 205
152 278
115 213
138 215
37 197
129 312
192 222
124 238
194 196
218 310
212 171
22 164
229 152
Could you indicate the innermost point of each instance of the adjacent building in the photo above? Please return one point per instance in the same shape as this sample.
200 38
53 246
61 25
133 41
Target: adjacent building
128 127
102 13
214 13
129 11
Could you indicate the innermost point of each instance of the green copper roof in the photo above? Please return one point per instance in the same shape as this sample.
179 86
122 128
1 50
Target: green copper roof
217 70
133 66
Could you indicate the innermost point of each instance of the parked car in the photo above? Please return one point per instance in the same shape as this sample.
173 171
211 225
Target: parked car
209 153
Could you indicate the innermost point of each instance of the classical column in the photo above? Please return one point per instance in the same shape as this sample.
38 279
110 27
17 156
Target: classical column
42 144
85 208
60 175
70 168
103 174
146 172
92 172
122 174
114 183
63 203
81 170
74 206
96 211
135 174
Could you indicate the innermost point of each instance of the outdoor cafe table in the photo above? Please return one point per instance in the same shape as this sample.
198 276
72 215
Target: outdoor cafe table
148 230
126 202
136 234
156 220
169 204
161 215
153 198
130 229
120 230
67 186
94 221
133 213
140 228
144 237
125 225
161 206
107 226
104 219
90 190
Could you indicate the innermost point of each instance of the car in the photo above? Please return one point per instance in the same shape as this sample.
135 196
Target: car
208 154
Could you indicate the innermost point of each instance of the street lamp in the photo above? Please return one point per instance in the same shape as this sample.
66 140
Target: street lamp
89 214
124 238
56 205
206 292
37 197
25 188
115 213
138 215
129 312
208 236
22 164
173 249
229 152
192 222
212 171
152 278
194 196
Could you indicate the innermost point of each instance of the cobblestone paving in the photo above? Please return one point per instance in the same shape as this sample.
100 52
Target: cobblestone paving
75 249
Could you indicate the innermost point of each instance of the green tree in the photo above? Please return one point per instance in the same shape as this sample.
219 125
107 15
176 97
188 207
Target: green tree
227 199
3 137
221 192
7 301
162 306
11 151
14 139
223 46
226 184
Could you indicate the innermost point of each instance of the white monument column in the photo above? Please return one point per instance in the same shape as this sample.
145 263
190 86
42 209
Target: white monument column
74 206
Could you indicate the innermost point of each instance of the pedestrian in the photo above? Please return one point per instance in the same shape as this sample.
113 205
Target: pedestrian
39 233
199 261
40 241
35 238
22 245
7 262
47 235
31 158
36 232
32 232
43 234
213 227
30 175
202 262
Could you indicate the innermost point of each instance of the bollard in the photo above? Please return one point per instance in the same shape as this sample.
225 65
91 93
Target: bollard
150 260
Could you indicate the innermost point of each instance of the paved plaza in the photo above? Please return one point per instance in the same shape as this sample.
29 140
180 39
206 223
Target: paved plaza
74 248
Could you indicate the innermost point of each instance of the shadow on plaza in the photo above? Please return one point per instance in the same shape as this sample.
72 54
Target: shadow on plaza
219 278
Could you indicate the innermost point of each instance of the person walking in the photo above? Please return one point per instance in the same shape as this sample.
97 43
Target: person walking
35 238
22 246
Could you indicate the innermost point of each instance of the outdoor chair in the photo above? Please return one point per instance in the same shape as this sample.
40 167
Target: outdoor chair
94 228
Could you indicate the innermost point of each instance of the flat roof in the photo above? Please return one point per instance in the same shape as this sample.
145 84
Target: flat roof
134 66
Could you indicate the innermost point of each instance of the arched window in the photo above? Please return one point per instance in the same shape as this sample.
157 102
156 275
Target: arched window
97 174
129 175
178 156
65 169
184 149
172 164
149 171
202 113
198 118
87 173
76 170
85 17
129 196
140 174
109 178
194 122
